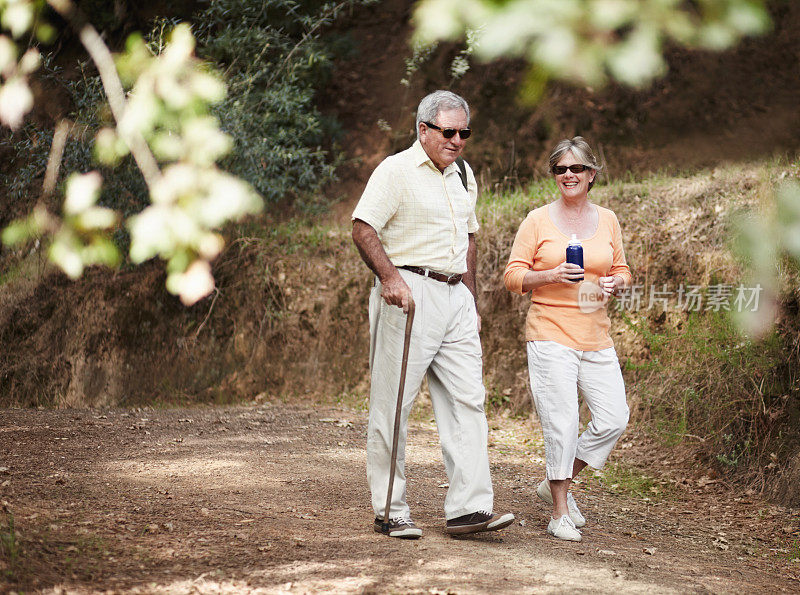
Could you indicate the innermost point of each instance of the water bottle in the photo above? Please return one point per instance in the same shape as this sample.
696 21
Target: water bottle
575 253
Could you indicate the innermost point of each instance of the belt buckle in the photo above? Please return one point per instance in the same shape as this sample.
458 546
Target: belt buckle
452 279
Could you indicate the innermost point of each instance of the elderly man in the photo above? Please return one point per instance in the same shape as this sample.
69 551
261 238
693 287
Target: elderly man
414 227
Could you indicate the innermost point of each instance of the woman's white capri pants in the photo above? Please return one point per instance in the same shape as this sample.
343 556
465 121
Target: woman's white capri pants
557 373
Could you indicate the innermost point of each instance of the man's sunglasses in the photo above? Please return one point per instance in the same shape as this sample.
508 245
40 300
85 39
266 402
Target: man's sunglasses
576 169
450 132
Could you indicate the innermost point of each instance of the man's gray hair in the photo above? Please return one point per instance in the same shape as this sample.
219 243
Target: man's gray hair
580 149
439 101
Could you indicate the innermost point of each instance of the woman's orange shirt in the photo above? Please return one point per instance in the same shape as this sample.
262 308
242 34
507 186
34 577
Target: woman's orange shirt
555 314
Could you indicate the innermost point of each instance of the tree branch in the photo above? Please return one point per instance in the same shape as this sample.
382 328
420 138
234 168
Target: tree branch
102 58
54 159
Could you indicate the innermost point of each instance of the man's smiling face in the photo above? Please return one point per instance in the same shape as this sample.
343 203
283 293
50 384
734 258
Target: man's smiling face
443 151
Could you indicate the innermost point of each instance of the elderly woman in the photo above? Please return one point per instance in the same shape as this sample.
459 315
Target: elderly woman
569 348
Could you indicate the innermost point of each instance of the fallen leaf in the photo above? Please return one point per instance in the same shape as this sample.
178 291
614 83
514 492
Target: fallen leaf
342 423
706 480
721 543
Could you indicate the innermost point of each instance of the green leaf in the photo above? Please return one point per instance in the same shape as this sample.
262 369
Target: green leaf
17 17
192 284
8 55
21 231
16 100
748 18
102 250
82 192
638 59
109 148
97 218
65 253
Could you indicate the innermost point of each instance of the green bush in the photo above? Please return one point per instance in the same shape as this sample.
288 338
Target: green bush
279 133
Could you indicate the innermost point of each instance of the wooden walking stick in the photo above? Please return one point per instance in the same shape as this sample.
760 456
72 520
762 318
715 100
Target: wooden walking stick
398 411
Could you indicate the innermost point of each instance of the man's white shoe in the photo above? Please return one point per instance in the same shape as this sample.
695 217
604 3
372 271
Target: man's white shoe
543 491
563 528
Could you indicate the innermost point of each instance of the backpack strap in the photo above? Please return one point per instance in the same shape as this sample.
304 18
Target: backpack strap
462 172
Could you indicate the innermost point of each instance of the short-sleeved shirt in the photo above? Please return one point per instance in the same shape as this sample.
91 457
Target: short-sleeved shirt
555 314
422 216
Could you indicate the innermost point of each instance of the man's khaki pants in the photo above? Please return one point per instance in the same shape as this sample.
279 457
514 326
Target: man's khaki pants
445 344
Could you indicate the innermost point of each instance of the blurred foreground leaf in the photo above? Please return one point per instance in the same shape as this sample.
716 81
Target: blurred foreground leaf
164 120
591 41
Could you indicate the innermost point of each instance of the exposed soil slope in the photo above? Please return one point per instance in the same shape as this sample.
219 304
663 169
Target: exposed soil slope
114 338
711 107
272 499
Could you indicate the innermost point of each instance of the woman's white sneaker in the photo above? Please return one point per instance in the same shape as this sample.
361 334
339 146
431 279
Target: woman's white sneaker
543 491
574 512
563 528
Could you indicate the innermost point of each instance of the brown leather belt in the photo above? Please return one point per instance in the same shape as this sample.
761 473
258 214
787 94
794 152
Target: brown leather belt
449 279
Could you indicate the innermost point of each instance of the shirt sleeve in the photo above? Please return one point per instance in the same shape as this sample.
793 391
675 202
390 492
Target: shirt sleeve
523 253
472 190
618 265
380 199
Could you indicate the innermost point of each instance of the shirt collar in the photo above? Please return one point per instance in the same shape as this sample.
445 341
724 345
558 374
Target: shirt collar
421 157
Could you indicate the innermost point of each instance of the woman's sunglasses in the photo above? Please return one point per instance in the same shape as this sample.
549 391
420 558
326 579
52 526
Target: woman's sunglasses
562 169
450 132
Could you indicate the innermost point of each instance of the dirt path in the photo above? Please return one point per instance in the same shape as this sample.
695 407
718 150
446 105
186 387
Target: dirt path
273 498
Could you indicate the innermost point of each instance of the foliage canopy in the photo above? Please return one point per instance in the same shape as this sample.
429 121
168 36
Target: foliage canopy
165 136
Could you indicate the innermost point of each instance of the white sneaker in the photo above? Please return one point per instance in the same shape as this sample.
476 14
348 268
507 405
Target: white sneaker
574 512
543 491
563 528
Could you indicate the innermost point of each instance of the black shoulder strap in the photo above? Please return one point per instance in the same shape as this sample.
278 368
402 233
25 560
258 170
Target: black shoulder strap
462 172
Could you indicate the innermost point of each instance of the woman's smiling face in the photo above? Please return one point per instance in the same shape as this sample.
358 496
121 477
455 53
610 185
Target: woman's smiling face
570 184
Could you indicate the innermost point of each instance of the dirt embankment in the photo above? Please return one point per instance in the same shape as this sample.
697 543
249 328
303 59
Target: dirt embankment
710 108
287 318
290 299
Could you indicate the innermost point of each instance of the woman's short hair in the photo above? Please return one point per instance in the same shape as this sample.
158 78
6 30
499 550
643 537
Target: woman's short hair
439 101
580 149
